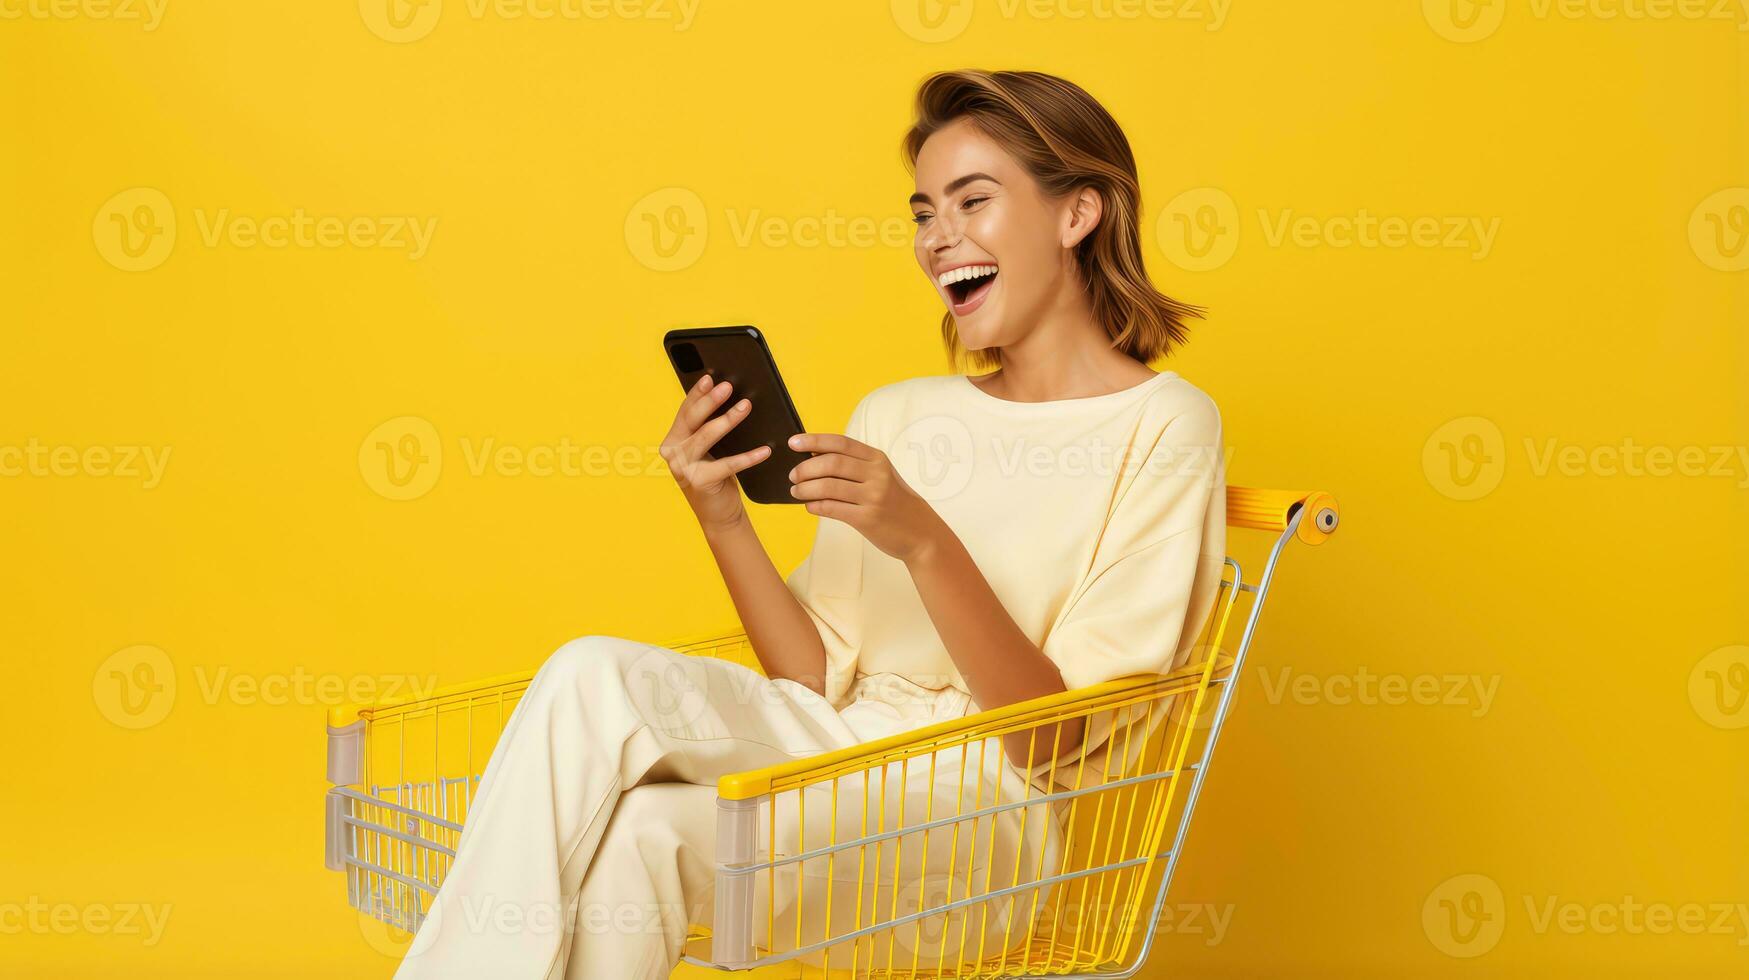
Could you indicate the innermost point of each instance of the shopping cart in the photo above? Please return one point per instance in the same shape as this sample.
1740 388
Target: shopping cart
1117 808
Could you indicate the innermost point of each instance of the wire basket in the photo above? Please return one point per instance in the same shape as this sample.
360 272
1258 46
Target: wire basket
925 854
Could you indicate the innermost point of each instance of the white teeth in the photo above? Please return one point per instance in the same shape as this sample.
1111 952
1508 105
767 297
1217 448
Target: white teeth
952 276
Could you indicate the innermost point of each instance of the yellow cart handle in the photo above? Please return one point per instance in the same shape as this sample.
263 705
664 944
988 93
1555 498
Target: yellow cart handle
1270 510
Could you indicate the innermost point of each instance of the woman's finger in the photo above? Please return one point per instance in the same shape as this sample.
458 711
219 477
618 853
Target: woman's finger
830 488
838 510
831 442
830 464
709 433
706 471
700 404
683 416
741 461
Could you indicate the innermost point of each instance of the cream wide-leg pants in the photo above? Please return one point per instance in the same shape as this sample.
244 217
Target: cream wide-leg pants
591 842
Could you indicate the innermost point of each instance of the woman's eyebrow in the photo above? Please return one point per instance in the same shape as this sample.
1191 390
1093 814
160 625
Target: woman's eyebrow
954 185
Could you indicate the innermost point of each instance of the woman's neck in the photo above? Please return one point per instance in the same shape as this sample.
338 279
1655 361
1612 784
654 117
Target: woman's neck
1066 355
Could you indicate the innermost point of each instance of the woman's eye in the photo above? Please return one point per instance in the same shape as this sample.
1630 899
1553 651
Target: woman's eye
972 202
921 218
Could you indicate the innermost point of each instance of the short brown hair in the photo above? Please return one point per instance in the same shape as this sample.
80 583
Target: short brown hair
1066 140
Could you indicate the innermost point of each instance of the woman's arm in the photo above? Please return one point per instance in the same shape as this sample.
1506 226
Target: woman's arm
853 482
998 662
783 637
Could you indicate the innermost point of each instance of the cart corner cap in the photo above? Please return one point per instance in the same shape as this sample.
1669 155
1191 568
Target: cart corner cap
1322 516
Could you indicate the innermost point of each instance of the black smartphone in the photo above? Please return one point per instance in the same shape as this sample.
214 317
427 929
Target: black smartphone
739 356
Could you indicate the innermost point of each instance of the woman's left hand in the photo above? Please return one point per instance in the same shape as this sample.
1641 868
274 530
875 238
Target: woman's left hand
855 483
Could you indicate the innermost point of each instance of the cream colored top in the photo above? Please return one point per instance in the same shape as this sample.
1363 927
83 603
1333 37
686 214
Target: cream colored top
1100 523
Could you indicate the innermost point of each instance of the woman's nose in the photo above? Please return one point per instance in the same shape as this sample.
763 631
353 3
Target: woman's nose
941 235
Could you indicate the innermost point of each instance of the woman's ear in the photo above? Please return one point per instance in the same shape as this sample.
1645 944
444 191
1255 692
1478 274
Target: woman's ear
1085 208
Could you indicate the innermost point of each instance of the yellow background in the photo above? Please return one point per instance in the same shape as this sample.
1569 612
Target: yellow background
1598 774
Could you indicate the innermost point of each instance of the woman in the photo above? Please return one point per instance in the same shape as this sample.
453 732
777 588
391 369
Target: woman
1049 525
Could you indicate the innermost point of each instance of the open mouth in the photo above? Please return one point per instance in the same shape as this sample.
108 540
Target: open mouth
967 286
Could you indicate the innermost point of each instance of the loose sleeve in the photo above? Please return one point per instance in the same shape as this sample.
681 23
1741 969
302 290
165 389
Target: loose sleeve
1157 566
828 584
1154 577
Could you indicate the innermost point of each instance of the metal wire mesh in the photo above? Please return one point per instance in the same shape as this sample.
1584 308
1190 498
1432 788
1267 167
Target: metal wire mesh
419 764
937 858
928 855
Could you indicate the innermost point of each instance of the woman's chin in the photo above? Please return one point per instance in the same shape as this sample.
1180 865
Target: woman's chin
979 330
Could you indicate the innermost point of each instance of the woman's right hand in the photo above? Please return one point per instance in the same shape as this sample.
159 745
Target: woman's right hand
709 484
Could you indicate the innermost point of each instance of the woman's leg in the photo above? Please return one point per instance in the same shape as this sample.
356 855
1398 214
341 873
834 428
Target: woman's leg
920 872
604 714
652 876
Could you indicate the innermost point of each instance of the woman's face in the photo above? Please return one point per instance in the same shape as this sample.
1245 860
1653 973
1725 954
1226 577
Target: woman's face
997 250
